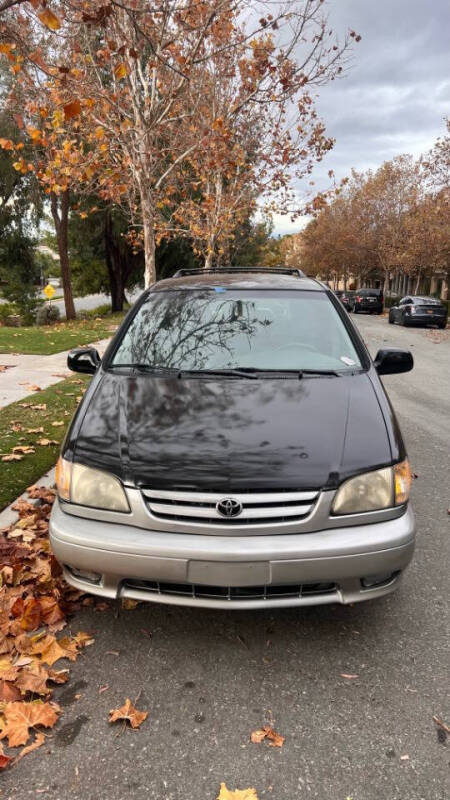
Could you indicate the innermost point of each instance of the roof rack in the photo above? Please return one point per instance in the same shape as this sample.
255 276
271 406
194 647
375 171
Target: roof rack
278 270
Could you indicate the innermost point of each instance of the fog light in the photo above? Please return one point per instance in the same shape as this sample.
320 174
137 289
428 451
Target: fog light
371 581
84 575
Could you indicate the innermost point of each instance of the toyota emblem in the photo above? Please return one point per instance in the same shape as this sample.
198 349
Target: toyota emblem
229 507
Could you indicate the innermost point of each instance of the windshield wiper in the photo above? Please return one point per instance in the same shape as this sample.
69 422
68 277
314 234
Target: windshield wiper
244 372
255 372
155 369
320 372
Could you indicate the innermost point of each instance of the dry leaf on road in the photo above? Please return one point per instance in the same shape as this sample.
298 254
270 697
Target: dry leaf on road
348 676
4 760
441 724
237 794
275 740
20 717
128 712
39 740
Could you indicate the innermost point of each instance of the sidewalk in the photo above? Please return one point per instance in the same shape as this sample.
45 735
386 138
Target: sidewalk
25 372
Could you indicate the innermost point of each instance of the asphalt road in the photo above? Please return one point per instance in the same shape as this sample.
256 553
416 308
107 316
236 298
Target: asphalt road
209 678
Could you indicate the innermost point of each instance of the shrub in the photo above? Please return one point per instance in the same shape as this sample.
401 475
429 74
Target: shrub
7 310
47 314
101 311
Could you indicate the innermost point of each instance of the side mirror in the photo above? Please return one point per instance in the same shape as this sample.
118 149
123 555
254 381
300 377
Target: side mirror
84 359
392 361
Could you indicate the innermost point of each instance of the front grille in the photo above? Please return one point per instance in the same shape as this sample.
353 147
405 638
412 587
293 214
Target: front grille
270 591
258 508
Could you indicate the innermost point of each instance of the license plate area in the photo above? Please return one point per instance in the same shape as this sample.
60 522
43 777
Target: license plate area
227 573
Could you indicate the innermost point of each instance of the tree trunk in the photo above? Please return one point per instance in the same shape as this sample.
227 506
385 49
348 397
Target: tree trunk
386 283
209 259
416 290
114 266
61 221
148 223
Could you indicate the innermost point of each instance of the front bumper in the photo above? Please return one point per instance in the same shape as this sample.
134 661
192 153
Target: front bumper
127 558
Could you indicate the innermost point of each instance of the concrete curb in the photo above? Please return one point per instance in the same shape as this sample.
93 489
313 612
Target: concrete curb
8 516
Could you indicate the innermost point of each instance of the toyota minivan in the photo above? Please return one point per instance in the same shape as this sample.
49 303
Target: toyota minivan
235 449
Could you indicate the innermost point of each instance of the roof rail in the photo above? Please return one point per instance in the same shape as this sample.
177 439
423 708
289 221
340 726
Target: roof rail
277 270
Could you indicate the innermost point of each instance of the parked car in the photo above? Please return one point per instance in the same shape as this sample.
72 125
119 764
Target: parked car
370 300
346 297
415 310
235 449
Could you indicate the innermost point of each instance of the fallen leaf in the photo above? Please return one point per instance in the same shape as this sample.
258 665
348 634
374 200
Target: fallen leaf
31 616
404 758
57 424
46 442
441 724
8 692
83 639
4 760
348 676
50 610
33 681
128 604
128 712
39 740
275 739
237 794
58 675
102 606
33 388
20 717
35 430
103 689
23 449
12 457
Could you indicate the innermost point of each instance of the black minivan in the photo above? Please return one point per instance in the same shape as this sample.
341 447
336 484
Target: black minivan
235 449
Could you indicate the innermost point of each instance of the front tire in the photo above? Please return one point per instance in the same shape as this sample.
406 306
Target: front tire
391 319
443 325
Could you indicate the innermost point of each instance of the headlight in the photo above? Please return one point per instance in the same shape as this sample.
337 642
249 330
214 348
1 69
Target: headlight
89 487
372 491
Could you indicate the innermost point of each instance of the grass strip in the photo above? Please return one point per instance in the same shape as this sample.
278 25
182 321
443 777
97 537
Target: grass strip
25 424
48 339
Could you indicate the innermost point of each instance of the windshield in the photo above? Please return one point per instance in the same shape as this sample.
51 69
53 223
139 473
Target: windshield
369 292
221 329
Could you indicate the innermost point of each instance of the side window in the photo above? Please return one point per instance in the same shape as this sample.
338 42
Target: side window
406 301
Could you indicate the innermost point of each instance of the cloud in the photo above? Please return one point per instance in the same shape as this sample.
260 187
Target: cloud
396 91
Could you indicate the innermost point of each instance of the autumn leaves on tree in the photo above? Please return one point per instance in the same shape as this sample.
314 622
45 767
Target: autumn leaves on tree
182 114
394 220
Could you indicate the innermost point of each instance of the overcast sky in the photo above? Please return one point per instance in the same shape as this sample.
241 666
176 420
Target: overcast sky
396 92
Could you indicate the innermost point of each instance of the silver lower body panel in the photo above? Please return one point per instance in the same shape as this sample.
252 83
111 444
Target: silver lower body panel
125 557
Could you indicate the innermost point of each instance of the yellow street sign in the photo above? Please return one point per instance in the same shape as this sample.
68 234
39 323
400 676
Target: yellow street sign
49 291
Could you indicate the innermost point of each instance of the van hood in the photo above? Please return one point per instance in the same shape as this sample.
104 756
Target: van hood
231 434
